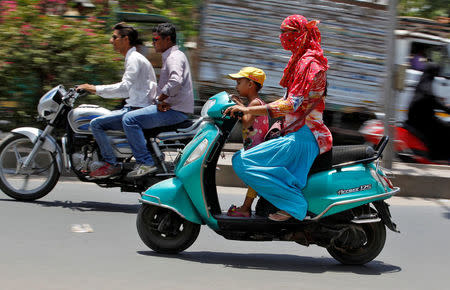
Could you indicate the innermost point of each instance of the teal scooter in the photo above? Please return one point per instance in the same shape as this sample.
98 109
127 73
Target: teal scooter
346 193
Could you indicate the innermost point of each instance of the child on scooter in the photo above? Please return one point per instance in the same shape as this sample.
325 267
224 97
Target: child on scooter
249 80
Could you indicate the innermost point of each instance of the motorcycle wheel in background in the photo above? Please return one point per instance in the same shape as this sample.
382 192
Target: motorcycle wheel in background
30 183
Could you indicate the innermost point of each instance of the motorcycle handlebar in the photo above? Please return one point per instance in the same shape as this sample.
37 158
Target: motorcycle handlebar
81 93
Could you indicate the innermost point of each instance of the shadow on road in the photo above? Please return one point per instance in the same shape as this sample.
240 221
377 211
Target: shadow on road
87 205
446 214
276 262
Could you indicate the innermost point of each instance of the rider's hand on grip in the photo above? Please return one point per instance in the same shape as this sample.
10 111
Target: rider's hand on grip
81 92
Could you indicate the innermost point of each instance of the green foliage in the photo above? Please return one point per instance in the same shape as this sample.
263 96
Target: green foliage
39 52
184 13
424 8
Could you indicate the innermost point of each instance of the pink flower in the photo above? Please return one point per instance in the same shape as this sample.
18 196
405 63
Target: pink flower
26 28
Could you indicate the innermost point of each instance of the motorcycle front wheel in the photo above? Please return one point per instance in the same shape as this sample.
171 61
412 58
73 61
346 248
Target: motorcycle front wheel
376 237
164 231
30 183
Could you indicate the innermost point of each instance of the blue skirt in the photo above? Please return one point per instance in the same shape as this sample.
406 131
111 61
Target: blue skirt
278 169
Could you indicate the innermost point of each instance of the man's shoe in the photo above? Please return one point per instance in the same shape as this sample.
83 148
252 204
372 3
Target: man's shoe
105 171
141 170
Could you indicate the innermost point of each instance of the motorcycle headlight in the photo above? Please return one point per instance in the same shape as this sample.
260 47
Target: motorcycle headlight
198 152
206 107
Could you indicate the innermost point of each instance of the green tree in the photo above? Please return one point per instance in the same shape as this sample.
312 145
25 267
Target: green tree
184 13
40 51
424 8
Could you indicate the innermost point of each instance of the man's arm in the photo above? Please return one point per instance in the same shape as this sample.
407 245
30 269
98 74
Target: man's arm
120 90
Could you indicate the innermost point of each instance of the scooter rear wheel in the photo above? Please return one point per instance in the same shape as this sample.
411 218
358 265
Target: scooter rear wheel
164 231
376 237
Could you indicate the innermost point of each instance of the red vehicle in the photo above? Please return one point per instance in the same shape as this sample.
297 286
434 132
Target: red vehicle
408 142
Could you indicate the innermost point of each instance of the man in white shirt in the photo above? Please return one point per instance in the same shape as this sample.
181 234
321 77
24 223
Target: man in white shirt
175 99
138 87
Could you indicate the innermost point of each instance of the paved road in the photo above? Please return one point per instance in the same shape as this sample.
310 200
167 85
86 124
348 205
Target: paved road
38 250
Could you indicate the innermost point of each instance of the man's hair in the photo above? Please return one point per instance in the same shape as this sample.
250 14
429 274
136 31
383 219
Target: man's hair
127 30
166 29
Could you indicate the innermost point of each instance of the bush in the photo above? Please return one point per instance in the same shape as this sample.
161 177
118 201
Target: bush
39 52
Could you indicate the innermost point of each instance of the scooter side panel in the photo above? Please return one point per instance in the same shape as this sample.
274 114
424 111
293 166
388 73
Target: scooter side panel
349 183
171 194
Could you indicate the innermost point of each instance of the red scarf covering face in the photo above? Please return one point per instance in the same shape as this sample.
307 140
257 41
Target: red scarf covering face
303 39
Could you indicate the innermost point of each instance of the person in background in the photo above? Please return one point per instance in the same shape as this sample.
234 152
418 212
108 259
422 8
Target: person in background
174 100
138 88
421 115
249 81
278 168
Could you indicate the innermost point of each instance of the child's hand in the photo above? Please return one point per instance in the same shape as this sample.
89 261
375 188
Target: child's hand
237 100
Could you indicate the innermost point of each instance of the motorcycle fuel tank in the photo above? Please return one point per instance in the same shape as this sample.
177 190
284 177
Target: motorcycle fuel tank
80 117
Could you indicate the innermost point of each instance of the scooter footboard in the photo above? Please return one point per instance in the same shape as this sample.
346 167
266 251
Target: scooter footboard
170 194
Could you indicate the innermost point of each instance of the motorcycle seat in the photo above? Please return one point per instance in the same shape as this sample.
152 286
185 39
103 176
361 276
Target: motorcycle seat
149 133
341 154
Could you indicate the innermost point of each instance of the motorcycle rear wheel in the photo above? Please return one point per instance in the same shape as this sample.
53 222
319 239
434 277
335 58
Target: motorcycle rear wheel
376 238
164 231
31 183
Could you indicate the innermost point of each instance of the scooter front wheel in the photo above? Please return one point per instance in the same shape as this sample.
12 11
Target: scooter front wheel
164 231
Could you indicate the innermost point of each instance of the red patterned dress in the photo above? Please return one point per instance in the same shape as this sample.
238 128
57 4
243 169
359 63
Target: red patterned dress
294 107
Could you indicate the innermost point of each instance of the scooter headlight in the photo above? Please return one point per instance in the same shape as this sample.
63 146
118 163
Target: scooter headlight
198 152
206 107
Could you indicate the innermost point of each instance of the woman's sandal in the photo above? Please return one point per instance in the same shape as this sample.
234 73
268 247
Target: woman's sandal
279 216
233 211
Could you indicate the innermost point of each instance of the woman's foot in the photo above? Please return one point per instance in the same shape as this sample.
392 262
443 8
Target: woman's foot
279 216
238 211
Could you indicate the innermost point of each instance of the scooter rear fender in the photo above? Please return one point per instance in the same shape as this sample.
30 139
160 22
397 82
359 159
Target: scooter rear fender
170 194
334 191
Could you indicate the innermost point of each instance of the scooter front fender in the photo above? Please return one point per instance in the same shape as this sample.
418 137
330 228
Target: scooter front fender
170 194
49 144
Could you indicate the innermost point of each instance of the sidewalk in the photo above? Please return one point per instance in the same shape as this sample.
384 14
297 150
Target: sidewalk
415 180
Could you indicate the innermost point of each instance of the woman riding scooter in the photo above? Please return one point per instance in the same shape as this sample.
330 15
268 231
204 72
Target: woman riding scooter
421 115
278 169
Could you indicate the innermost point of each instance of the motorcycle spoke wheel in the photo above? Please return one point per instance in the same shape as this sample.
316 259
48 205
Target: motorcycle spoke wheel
28 183
371 248
164 231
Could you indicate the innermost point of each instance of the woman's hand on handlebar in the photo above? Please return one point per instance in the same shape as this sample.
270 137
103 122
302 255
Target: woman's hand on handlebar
234 111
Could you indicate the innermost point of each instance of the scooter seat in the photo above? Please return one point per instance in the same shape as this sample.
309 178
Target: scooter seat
149 133
349 153
341 154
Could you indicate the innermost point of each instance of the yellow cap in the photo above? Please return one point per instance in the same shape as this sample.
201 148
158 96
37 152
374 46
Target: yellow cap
253 73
